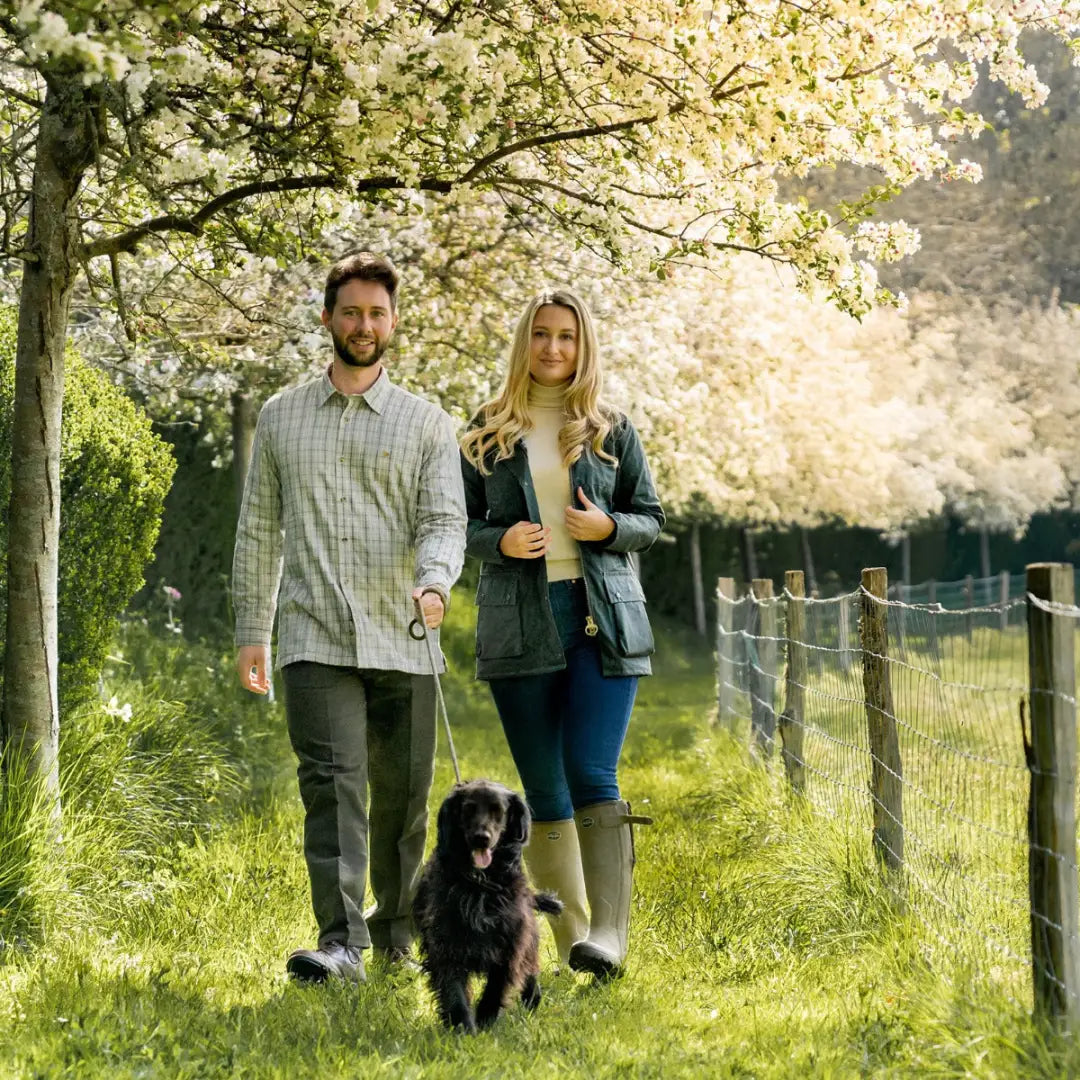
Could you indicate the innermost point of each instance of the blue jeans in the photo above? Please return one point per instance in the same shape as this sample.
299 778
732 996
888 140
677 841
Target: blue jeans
566 728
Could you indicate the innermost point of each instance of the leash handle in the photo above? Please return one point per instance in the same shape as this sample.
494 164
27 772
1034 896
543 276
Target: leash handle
418 631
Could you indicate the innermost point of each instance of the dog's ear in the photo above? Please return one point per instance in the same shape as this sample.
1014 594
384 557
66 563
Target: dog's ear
447 822
517 819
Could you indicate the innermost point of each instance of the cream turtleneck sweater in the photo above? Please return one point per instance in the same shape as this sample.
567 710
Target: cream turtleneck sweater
551 478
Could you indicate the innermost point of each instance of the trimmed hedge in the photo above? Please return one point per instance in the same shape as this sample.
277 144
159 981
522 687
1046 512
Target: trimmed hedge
114 476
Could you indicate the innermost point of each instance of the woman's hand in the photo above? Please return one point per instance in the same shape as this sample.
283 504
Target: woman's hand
588 524
525 540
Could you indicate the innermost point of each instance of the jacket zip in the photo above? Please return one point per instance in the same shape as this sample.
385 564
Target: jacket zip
591 629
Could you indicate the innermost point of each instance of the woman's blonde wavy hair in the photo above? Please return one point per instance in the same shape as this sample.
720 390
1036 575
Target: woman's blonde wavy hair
501 423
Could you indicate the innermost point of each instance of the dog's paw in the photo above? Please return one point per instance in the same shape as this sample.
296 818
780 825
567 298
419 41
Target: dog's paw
530 992
461 1022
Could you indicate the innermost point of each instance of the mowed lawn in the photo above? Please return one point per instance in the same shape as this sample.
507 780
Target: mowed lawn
762 943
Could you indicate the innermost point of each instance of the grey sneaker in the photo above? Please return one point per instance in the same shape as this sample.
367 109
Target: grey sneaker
335 960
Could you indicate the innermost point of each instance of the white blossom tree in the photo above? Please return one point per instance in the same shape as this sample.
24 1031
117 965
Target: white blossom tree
997 394
756 404
778 410
650 131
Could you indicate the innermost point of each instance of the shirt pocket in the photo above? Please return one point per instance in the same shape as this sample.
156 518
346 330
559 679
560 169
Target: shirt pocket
498 617
633 634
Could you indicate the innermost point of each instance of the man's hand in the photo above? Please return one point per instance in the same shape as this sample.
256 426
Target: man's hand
253 666
588 524
525 540
432 606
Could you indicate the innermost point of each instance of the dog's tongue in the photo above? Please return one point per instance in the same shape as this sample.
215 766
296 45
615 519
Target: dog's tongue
482 859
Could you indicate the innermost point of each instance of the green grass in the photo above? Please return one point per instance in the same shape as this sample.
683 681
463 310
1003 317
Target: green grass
763 944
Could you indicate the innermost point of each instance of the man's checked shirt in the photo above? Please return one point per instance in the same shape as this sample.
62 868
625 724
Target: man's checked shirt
350 503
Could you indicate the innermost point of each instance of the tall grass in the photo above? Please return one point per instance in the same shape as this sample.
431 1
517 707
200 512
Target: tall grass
763 944
32 882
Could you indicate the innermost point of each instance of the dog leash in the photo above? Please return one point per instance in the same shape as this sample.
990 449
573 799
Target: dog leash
419 624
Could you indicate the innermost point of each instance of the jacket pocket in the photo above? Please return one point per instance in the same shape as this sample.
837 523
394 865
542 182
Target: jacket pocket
498 617
633 635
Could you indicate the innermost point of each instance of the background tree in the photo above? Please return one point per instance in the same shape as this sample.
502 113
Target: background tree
759 407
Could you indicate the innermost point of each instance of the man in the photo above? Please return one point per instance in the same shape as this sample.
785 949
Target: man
353 505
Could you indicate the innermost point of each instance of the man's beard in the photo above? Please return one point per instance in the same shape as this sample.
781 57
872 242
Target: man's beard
346 357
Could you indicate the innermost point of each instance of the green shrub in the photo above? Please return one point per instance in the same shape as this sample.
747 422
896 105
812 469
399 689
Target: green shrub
114 476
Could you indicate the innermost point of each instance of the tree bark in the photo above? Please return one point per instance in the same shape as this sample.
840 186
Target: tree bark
750 564
64 150
698 582
984 551
810 577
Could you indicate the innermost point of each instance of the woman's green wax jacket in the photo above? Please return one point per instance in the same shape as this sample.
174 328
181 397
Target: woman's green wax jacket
515 629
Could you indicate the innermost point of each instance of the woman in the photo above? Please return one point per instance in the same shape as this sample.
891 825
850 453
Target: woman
558 494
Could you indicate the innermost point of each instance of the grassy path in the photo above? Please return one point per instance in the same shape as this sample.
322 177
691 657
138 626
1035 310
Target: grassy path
760 946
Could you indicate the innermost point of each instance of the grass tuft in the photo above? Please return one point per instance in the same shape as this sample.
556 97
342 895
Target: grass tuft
32 879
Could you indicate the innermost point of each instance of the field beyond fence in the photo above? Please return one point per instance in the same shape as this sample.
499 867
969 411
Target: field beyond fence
937 722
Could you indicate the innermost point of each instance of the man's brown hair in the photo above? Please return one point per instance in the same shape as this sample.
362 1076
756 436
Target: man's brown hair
361 266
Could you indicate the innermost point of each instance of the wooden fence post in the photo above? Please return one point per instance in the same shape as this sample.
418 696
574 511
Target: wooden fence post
762 675
1052 877
725 651
886 771
793 716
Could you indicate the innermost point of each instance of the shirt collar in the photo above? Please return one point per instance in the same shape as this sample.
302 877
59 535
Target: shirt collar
378 392
375 395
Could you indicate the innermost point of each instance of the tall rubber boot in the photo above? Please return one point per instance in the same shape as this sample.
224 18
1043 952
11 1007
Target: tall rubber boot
554 861
607 859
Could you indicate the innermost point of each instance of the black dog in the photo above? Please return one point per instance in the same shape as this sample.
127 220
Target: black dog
474 909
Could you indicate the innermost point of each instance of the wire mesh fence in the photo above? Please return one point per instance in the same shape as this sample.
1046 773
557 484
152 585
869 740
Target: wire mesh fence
906 716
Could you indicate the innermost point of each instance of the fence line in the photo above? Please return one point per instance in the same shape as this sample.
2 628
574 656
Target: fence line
907 713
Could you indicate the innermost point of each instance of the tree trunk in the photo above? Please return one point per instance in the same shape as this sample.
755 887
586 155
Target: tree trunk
698 582
984 551
750 566
244 418
65 147
810 578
